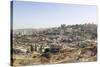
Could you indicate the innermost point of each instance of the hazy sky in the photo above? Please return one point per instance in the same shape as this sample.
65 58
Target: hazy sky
41 15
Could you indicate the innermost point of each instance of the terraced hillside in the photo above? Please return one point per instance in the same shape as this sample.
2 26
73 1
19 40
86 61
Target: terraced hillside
63 44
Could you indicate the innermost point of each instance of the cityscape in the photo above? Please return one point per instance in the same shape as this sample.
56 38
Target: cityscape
53 33
64 44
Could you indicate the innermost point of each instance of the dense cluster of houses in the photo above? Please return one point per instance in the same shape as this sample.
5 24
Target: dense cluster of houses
54 39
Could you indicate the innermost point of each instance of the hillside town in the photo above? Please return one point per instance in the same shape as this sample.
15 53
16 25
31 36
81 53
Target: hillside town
62 44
